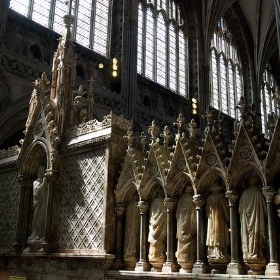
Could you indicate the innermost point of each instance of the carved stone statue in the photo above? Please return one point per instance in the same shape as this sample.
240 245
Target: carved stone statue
39 206
253 212
186 230
132 230
217 228
157 229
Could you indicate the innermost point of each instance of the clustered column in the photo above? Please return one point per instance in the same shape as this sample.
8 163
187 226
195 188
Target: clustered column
272 269
170 265
200 265
120 209
234 267
143 264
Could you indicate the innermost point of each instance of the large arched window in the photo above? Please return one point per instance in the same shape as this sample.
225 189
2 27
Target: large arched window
225 71
162 53
91 27
268 102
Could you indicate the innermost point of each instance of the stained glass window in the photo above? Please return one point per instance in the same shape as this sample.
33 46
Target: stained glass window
162 44
92 19
225 71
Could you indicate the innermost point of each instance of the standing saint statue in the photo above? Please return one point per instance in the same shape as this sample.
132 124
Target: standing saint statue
186 227
39 206
132 232
253 212
217 212
157 229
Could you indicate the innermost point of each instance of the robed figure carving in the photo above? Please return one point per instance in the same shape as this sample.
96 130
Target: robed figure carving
132 230
39 206
186 230
157 229
217 212
253 212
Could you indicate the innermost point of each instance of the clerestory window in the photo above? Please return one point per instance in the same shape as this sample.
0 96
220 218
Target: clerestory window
162 44
225 72
91 27
268 100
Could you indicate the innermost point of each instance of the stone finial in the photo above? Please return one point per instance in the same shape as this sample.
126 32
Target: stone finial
129 138
209 117
166 136
180 123
143 141
192 128
153 131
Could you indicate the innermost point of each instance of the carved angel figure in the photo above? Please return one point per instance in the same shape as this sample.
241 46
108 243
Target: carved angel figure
157 228
252 209
217 227
132 230
186 226
39 206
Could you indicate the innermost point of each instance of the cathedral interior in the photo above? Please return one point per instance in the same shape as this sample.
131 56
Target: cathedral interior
139 139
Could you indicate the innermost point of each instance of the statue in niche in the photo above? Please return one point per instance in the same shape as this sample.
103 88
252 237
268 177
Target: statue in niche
217 212
39 206
132 231
157 228
253 212
186 227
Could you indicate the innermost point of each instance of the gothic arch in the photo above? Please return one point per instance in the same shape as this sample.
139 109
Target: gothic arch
124 194
36 155
146 192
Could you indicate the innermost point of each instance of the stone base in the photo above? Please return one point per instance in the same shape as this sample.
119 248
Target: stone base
272 269
35 246
199 267
218 265
157 265
170 267
256 266
142 266
235 269
186 265
118 264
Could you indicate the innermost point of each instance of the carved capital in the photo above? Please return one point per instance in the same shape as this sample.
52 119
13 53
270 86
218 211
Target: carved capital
269 193
120 209
170 204
232 197
51 174
24 182
143 207
198 201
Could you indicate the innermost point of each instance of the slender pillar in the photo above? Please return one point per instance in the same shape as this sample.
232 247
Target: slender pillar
4 8
234 267
23 214
200 264
118 263
170 265
143 264
48 244
272 269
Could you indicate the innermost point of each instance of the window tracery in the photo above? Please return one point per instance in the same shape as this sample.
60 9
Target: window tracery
269 99
225 71
91 27
162 44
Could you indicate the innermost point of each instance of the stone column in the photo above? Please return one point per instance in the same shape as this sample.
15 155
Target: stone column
4 8
200 264
234 267
48 244
23 214
118 263
170 265
143 264
272 269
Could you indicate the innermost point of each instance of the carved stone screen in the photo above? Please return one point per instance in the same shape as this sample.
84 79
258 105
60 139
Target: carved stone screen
81 201
9 202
